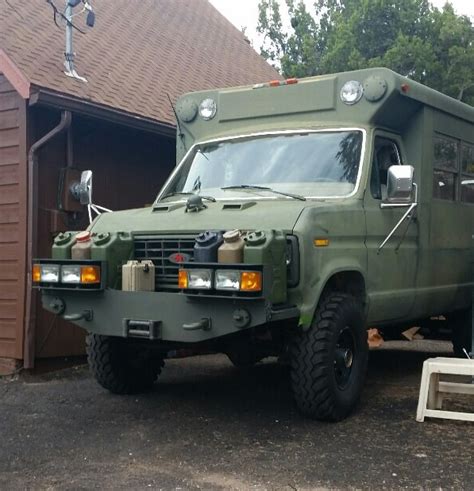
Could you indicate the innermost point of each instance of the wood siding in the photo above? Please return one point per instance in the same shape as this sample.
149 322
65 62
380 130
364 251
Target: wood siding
12 220
129 167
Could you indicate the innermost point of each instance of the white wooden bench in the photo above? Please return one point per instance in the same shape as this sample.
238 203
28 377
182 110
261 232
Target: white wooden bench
432 390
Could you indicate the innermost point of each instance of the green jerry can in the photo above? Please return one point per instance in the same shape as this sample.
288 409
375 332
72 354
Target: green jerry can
268 247
116 249
62 244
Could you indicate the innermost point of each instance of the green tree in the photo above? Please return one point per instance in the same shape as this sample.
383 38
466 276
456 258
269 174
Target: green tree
432 46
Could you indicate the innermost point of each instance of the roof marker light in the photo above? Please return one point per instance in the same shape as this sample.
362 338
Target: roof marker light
276 83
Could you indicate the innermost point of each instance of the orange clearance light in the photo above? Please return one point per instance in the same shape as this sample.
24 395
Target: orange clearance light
321 242
251 281
291 81
182 278
274 83
90 274
36 273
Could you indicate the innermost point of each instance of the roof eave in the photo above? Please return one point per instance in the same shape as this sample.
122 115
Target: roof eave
14 75
43 97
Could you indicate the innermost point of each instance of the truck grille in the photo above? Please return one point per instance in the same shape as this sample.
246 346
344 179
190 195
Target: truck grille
158 250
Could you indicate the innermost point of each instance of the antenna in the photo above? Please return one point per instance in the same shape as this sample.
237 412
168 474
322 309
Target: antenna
68 16
69 53
180 132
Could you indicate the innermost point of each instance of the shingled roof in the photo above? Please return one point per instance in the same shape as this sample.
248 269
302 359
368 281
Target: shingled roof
138 53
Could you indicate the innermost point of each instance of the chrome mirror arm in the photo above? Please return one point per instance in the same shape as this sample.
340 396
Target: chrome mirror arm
406 215
98 210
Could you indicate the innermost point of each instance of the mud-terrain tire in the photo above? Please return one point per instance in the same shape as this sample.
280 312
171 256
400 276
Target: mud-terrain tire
461 331
328 362
120 367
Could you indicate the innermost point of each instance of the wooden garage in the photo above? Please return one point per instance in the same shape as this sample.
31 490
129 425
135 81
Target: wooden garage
119 124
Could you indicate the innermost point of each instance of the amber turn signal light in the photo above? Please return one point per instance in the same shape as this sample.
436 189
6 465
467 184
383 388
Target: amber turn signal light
36 273
251 281
321 242
182 278
90 274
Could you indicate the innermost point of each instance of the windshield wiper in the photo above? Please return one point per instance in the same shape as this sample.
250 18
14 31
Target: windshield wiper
189 193
265 188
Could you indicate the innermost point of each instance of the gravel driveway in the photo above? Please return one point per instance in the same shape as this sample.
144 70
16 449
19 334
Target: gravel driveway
208 425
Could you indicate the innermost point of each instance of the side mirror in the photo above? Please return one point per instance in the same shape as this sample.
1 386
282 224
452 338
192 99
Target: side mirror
82 191
400 184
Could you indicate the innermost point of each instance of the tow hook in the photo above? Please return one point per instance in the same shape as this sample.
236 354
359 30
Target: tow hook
86 315
58 306
205 324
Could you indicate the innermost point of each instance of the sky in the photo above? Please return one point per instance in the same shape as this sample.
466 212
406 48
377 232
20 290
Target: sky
244 13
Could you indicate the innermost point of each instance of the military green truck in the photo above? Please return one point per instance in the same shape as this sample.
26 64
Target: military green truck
300 214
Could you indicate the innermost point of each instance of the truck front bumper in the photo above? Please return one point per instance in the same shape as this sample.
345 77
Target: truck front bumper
162 316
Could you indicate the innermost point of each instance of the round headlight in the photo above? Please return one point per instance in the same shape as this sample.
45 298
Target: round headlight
352 92
208 109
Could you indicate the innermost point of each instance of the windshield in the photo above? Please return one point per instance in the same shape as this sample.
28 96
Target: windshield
318 164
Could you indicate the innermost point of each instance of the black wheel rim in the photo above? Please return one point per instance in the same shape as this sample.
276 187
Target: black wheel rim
344 358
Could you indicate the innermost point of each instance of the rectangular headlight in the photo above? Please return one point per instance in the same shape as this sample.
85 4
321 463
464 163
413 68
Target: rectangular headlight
50 273
245 281
71 274
227 279
198 279
65 274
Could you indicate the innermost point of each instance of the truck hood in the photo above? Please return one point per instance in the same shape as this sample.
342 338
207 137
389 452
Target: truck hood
171 217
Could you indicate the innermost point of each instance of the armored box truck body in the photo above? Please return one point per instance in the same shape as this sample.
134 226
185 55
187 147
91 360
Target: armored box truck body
301 212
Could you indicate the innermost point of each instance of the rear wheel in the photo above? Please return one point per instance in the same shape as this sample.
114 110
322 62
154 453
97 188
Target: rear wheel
329 360
121 367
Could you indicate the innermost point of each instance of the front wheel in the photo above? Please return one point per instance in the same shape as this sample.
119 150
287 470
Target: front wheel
329 361
121 367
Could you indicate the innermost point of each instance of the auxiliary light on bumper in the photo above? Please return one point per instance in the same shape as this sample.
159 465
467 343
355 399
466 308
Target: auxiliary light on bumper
221 279
67 274
196 279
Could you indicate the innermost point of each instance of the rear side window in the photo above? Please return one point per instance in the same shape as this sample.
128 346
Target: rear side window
467 173
446 168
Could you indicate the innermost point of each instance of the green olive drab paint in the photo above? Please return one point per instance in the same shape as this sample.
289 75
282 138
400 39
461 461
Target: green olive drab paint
352 195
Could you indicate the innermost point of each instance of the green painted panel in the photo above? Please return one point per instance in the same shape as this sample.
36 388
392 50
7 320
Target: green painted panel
299 98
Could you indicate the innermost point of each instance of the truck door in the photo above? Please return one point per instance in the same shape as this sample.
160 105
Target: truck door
391 270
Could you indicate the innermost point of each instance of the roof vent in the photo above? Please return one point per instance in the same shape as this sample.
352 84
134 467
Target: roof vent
168 208
238 206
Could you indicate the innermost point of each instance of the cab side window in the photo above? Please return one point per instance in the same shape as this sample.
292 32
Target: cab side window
446 169
386 154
